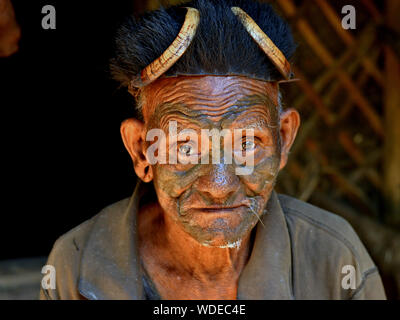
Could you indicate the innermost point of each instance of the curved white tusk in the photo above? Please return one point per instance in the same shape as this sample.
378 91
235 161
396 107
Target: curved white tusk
264 42
178 47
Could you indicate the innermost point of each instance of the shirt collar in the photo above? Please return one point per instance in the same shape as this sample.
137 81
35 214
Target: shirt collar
268 273
110 265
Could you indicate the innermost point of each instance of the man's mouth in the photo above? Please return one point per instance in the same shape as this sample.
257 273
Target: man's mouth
219 208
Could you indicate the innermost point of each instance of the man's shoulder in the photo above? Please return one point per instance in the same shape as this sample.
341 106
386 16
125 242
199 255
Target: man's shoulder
67 251
80 233
323 245
310 223
311 217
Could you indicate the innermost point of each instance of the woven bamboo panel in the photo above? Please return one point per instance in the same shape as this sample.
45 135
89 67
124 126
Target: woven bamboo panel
339 148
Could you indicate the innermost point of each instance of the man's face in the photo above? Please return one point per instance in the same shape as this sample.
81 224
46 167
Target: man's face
211 202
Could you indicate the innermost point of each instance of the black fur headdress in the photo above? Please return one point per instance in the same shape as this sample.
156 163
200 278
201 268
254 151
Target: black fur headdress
221 45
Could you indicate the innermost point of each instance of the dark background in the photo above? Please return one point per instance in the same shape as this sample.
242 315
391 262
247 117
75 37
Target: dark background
63 158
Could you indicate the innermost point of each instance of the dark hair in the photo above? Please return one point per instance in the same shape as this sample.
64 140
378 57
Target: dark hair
221 45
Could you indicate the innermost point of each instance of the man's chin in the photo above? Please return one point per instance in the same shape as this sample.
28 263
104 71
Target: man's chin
223 244
220 238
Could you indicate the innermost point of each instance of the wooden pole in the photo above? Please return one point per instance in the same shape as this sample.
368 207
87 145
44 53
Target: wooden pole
392 120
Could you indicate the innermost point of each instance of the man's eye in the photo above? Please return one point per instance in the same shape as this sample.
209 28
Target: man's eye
186 150
248 145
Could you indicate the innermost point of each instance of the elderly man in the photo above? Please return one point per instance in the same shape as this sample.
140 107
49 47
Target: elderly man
204 221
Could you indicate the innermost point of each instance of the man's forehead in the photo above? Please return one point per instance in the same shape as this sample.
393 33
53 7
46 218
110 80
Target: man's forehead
206 94
254 116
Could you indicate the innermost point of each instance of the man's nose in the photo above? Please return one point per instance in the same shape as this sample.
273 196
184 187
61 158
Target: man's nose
219 182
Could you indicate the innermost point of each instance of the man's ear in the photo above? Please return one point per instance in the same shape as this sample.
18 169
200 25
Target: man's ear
290 123
133 135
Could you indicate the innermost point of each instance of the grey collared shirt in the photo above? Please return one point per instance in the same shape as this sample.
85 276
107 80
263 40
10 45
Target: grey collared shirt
303 252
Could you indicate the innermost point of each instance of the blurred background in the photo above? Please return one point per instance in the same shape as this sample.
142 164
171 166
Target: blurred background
64 160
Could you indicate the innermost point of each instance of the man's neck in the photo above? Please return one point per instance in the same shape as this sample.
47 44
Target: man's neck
203 261
164 243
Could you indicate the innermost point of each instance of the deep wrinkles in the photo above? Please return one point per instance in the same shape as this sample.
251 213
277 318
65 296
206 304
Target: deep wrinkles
185 89
167 112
